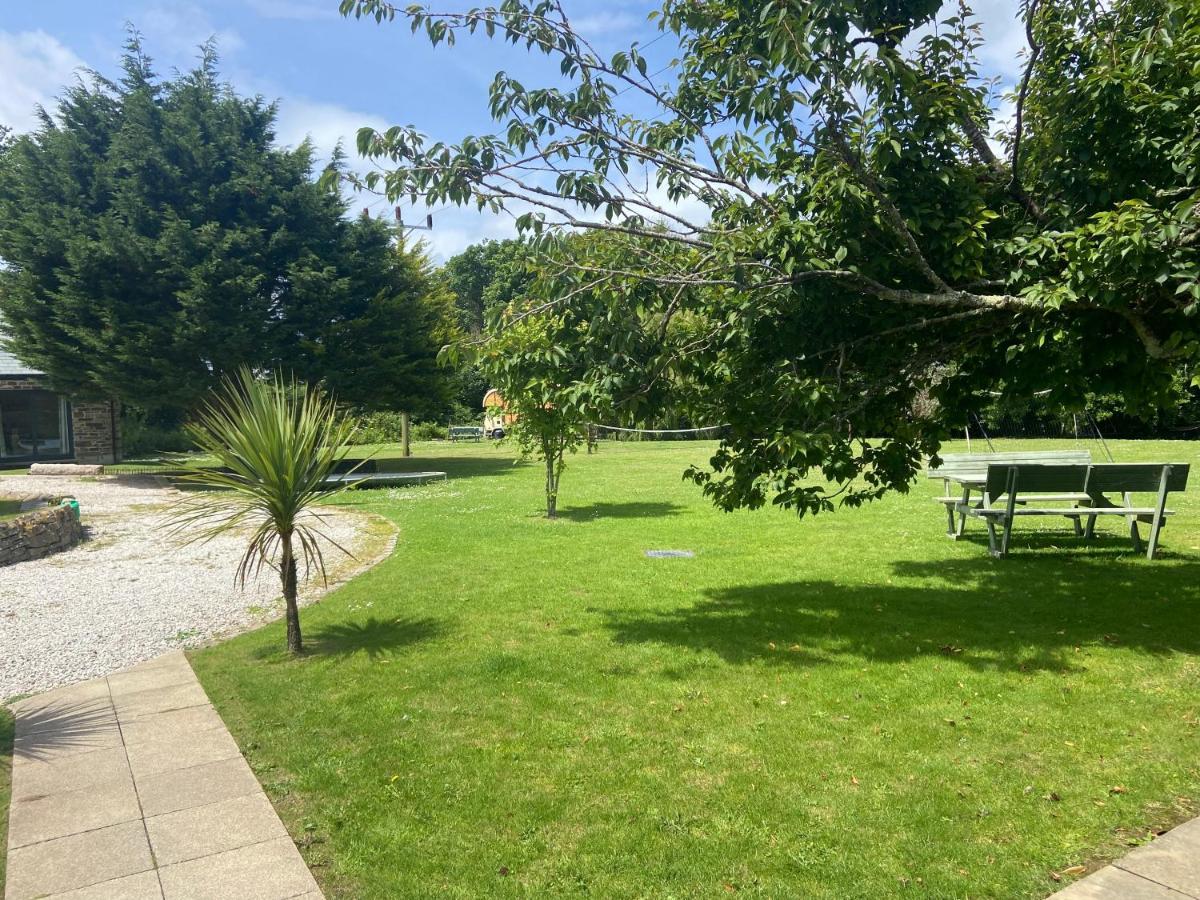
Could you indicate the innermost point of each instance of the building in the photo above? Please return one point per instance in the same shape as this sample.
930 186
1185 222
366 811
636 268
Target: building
38 425
496 417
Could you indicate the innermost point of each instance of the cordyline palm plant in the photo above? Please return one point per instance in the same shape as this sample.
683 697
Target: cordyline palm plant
273 444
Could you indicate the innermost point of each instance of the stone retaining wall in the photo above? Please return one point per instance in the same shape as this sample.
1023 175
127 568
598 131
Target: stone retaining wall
39 533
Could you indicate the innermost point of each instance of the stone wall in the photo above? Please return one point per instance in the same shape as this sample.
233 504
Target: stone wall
21 383
95 424
39 533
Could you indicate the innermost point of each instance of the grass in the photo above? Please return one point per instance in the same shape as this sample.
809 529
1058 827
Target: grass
9 509
7 734
844 706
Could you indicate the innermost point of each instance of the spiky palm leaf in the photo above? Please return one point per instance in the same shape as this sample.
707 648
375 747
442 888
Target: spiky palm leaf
272 446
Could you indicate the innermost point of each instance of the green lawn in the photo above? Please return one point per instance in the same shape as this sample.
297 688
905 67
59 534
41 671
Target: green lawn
7 733
847 706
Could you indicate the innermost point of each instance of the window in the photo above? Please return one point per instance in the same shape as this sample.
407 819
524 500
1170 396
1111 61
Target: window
34 424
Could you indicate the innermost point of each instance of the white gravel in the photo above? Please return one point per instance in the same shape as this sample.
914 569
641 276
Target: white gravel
129 593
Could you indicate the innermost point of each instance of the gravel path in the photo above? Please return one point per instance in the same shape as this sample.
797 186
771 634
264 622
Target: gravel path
128 593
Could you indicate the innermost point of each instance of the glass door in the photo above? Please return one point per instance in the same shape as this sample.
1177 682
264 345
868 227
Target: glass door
34 425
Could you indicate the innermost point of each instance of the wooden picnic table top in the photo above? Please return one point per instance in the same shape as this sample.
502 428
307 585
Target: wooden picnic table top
970 479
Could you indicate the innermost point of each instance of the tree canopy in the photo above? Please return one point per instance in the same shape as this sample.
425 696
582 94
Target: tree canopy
555 367
381 352
156 239
485 278
861 242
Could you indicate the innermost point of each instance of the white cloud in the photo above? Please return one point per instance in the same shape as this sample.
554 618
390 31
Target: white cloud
614 23
34 69
1004 37
458 229
325 123
176 31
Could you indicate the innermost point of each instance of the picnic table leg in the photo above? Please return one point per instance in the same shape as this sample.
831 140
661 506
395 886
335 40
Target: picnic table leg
1009 516
1078 526
1134 535
1090 531
949 510
991 527
1159 511
962 512
1008 523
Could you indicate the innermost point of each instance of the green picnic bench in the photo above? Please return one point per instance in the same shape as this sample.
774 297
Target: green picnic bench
965 473
465 433
1009 488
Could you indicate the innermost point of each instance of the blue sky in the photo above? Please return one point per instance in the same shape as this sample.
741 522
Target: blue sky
333 75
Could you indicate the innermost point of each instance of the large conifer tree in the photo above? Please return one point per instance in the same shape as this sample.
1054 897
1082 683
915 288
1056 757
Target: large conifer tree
156 239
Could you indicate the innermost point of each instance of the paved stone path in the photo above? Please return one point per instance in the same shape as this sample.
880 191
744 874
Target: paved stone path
130 787
1168 868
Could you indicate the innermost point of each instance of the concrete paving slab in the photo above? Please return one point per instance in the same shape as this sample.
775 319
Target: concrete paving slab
180 751
58 815
124 784
1111 883
162 725
84 736
213 828
185 788
143 886
269 871
77 861
131 681
67 715
176 659
158 700
72 773
68 696
1168 868
1172 859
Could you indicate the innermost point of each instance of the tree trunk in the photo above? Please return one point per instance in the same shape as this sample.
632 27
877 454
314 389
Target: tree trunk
287 574
552 474
405 423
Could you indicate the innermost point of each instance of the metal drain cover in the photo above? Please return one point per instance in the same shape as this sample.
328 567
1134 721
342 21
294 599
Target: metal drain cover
670 554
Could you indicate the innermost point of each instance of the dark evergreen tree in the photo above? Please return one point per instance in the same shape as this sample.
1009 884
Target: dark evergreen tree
156 239
382 352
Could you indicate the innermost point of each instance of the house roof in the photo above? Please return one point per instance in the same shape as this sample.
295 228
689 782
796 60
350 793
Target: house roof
9 364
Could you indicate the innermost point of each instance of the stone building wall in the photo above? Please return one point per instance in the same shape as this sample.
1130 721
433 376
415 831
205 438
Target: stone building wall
96 426
20 383
39 533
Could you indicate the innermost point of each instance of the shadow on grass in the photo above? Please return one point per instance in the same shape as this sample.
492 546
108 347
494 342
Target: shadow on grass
635 510
374 637
1108 545
1014 614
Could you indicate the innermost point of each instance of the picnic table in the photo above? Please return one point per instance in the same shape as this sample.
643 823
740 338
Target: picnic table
1019 486
964 474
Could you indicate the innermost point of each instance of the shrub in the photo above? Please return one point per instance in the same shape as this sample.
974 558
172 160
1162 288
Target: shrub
385 428
140 437
428 431
377 428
